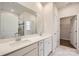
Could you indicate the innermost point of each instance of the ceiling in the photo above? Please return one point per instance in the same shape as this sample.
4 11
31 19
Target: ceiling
61 4
15 8
64 4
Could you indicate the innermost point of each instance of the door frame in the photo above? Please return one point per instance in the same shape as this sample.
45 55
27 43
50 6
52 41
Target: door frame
77 37
77 31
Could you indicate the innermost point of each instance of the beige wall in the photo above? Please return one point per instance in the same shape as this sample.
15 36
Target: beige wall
56 22
69 10
56 28
48 18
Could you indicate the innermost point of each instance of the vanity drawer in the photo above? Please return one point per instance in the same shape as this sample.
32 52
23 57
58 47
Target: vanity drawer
34 52
25 50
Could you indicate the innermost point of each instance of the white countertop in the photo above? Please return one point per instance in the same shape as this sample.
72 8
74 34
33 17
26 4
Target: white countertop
10 45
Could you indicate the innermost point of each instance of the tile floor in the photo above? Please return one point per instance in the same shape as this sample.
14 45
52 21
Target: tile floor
67 43
65 51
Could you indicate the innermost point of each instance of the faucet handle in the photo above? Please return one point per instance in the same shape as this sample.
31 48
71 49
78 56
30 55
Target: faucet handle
18 38
16 34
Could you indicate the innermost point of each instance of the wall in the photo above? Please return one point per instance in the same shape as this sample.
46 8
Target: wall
48 18
56 28
69 10
52 23
56 21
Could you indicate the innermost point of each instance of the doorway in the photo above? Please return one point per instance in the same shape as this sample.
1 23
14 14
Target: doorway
68 31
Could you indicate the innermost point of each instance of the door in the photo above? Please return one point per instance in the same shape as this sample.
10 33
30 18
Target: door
77 31
74 31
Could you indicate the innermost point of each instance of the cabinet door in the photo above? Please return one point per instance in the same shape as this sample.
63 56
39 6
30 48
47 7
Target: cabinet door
54 41
32 53
47 46
41 50
23 51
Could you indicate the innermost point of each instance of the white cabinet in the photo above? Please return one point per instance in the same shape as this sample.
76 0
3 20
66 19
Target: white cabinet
47 46
32 53
24 50
41 48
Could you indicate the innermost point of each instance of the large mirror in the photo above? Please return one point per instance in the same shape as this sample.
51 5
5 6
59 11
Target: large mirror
27 24
16 19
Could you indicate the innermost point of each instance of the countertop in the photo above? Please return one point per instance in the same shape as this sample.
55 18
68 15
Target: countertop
10 45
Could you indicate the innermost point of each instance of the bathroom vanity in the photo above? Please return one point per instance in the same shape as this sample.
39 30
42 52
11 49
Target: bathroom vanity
21 33
31 46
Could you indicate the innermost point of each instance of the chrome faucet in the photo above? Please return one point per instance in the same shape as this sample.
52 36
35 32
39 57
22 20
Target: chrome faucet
40 33
18 37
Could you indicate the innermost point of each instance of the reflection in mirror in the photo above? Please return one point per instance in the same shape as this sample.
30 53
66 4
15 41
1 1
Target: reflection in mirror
8 24
27 23
16 20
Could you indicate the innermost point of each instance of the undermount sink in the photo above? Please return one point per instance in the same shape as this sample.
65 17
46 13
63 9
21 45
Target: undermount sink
19 43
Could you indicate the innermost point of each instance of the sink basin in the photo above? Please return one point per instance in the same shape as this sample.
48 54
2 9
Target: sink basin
19 43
